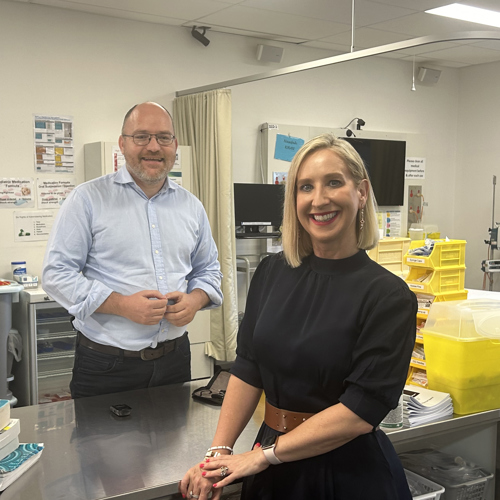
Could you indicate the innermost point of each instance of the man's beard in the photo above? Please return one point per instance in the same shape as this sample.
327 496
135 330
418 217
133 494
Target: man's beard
142 175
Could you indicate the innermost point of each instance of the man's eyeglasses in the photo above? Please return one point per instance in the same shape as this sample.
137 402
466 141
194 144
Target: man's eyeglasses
145 139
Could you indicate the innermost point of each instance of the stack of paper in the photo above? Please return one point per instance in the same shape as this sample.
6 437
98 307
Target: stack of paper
15 458
421 406
9 439
4 412
18 462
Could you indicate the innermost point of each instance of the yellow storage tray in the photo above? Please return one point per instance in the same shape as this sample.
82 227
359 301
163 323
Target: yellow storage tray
463 354
436 281
445 254
390 252
425 301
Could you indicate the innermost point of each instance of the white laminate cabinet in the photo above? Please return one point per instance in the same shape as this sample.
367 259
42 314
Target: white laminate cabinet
202 366
48 348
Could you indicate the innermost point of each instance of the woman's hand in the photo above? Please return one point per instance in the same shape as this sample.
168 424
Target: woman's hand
194 485
225 469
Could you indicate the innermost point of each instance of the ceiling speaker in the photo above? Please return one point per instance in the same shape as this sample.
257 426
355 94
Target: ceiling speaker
427 75
269 53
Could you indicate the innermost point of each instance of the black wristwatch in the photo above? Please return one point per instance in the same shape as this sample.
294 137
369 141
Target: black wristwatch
268 445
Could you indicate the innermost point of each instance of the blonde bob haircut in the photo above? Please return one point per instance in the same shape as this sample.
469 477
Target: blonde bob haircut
296 241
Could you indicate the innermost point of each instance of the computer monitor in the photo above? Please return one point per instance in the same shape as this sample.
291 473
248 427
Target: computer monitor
385 161
257 205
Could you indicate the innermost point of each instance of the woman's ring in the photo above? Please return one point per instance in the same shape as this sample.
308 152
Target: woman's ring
193 496
223 471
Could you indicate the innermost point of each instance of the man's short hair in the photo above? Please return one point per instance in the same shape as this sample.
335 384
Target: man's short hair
129 112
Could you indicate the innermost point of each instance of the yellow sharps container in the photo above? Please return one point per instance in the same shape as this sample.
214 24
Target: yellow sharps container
462 352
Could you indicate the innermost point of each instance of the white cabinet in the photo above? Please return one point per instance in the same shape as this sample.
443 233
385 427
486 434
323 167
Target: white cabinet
44 371
202 366
101 158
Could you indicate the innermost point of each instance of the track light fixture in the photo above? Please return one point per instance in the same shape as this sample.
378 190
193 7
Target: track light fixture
359 123
200 35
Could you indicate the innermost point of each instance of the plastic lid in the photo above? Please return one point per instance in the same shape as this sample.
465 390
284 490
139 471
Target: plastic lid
18 262
486 316
488 325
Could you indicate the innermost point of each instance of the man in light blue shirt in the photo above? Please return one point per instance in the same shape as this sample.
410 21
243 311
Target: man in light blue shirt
132 258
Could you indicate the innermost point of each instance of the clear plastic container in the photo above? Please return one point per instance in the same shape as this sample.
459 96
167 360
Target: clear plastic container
462 350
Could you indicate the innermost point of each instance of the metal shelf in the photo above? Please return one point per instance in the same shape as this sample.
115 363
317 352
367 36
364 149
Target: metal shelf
247 267
56 354
55 373
56 335
55 320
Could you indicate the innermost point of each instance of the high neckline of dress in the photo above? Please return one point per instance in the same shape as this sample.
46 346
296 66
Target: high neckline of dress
329 266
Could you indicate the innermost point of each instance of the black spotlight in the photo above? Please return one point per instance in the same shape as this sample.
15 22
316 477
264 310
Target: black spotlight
200 36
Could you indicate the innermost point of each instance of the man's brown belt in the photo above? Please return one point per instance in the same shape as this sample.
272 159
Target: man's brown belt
147 354
284 420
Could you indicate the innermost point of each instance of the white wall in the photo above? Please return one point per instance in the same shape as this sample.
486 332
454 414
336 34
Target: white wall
377 90
94 68
478 161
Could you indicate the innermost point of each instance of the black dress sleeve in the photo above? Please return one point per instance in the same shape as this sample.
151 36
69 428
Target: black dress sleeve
382 352
245 366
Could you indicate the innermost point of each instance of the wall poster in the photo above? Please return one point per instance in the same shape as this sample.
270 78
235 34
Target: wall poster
33 226
52 192
16 192
53 137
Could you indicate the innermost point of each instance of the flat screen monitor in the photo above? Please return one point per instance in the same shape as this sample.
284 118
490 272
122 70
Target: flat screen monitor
385 161
258 205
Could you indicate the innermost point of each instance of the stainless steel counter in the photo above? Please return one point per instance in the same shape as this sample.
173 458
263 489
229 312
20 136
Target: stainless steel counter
91 454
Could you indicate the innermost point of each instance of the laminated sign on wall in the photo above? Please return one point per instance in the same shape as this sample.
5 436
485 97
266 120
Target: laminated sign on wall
53 136
286 147
15 193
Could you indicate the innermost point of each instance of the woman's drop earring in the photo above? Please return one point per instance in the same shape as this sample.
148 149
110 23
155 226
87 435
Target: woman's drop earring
362 219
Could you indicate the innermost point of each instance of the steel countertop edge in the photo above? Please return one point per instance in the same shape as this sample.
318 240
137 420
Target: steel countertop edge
91 454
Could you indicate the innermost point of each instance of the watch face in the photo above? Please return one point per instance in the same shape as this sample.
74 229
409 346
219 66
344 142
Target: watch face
268 441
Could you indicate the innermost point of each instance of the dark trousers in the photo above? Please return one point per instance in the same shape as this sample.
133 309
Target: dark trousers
96 373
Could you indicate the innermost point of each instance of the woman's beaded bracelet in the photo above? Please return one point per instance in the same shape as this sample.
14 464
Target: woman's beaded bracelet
212 451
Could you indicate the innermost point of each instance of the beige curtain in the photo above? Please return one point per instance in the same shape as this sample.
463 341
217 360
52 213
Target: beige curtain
203 121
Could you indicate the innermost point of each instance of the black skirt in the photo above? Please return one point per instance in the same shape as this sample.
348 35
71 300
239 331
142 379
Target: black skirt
366 468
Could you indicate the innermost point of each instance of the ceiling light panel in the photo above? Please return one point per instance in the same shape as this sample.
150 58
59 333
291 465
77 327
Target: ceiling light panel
468 13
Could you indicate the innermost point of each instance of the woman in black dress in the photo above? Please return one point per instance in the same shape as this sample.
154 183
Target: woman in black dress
327 335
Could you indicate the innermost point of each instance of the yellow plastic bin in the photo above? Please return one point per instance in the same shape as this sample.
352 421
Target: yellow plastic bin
462 351
425 301
444 254
437 281
390 252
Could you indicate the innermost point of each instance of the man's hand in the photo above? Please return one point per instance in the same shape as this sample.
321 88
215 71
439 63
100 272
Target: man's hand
146 307
185 306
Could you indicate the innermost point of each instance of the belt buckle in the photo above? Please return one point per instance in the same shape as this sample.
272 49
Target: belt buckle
149 354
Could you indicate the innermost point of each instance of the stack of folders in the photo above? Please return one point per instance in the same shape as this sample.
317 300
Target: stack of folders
421 406
15 458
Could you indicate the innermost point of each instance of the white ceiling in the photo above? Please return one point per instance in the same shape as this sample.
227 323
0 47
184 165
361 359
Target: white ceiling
324 24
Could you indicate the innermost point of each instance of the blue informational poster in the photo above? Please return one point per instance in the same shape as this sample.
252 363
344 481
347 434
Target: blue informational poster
286 147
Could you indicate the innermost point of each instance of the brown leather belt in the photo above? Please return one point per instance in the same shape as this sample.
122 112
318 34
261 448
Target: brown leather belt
284 420
147 354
